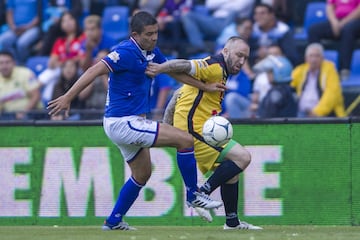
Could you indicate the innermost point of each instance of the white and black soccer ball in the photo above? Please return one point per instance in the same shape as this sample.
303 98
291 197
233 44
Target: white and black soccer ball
217 131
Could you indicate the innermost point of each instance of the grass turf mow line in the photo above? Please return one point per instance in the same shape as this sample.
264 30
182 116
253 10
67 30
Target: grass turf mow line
181 233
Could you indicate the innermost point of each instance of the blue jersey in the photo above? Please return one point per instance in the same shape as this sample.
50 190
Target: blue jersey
24 11
129 87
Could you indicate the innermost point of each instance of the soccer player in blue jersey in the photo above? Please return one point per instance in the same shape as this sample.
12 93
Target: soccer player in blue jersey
125 123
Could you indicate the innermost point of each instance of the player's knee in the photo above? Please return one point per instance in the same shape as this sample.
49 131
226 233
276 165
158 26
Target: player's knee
186 141
142 177
246 157
243 160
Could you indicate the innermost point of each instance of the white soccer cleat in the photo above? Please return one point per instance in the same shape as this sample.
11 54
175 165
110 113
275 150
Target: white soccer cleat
243 226
124 226
204 214
203 200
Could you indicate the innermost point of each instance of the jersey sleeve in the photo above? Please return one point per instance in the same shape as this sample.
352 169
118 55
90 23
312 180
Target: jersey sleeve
118 60
201 70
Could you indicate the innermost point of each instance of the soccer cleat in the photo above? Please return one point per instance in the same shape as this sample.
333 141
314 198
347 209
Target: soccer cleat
243 226
204 214
120 226
203 200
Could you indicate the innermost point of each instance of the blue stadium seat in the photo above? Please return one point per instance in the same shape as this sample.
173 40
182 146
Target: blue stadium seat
355 62
115 22
315 12
37 63
332 55
354 78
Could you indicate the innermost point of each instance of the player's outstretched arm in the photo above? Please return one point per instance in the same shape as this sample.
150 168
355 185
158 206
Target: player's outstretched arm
63 102
180 69
171 66
189 80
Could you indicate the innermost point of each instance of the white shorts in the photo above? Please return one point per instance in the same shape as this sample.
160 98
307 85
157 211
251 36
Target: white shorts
131 134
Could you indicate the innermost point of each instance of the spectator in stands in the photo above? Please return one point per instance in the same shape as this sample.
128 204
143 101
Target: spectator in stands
236 102
267 31
171 32
343 24
66 47
279 100
241 27
95 40
22 17
150 6
51 23
19 89
68 76
317 85
200 27
52 11
262 83
282 9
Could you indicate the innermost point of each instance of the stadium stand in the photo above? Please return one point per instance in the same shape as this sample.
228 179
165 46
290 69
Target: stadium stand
315 12
351 86
115 22
354 78
37 63
332 55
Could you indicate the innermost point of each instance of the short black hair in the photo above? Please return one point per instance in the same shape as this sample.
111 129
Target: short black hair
241 20
7 53
267 6
140 20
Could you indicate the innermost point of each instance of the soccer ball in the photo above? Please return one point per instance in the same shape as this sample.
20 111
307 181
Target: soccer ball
217 131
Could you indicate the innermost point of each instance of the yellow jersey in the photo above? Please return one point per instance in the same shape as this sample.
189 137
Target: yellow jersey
194 107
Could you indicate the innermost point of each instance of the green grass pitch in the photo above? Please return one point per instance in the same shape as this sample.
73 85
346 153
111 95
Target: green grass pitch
181 233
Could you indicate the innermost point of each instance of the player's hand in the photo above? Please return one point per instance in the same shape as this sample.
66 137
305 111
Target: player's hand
57 105
152 69
215 87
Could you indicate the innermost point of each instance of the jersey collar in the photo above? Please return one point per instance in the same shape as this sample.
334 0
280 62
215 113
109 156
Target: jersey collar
148 55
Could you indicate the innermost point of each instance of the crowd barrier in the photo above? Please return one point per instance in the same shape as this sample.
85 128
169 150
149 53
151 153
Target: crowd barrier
68 173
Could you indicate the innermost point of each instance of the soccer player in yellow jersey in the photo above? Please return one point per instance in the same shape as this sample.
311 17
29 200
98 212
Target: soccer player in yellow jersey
193 107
